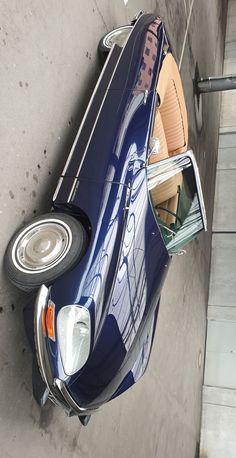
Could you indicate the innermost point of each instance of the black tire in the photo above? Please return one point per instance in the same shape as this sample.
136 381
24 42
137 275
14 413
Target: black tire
103 45
73 241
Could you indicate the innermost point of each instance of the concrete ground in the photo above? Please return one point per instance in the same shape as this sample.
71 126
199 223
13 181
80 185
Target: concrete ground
49 67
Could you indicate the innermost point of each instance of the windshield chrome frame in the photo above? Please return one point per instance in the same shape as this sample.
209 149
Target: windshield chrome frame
191 156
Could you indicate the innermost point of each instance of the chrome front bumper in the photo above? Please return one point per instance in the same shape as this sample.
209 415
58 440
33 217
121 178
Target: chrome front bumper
58 392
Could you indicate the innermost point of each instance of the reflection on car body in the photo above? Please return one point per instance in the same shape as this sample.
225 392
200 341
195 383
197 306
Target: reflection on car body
128 198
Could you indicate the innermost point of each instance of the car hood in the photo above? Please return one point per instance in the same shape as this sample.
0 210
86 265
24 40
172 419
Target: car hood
119 280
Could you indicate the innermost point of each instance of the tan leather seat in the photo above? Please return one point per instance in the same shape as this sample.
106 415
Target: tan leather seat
171 128
172 106
171 122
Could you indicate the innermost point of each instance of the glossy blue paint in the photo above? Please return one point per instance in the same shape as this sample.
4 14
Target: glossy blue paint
120 277
131 303
142 360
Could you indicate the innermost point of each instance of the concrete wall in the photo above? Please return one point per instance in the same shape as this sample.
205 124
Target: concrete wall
218 433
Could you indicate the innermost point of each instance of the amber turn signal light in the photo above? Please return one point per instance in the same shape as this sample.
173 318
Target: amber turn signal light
50 320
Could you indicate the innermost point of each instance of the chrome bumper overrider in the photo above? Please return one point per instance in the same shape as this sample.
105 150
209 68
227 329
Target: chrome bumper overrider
58 392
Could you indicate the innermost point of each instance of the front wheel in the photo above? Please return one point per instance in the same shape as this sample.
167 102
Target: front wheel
117 36
44 249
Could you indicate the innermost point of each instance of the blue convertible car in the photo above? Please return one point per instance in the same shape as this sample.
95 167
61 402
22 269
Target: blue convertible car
129 197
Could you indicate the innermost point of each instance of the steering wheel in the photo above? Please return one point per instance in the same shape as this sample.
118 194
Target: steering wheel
159 207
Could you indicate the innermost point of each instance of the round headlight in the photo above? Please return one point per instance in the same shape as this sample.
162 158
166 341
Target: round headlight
74 330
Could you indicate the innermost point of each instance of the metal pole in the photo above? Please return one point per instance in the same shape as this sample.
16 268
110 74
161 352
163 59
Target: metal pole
216 83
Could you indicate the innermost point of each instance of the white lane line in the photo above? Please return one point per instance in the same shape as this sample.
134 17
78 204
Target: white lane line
125 2
185 7
186 34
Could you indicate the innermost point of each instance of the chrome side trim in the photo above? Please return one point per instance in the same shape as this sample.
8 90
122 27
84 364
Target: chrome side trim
101 106
57 188
72 189
87 110
94 125
82 124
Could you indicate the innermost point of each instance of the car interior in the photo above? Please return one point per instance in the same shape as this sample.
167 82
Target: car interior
171 129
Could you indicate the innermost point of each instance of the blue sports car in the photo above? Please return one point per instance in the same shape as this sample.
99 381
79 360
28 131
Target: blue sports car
128 199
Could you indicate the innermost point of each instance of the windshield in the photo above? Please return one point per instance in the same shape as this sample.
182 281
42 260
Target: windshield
174 195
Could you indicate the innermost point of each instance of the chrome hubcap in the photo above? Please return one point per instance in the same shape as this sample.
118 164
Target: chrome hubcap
41 246
117 36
